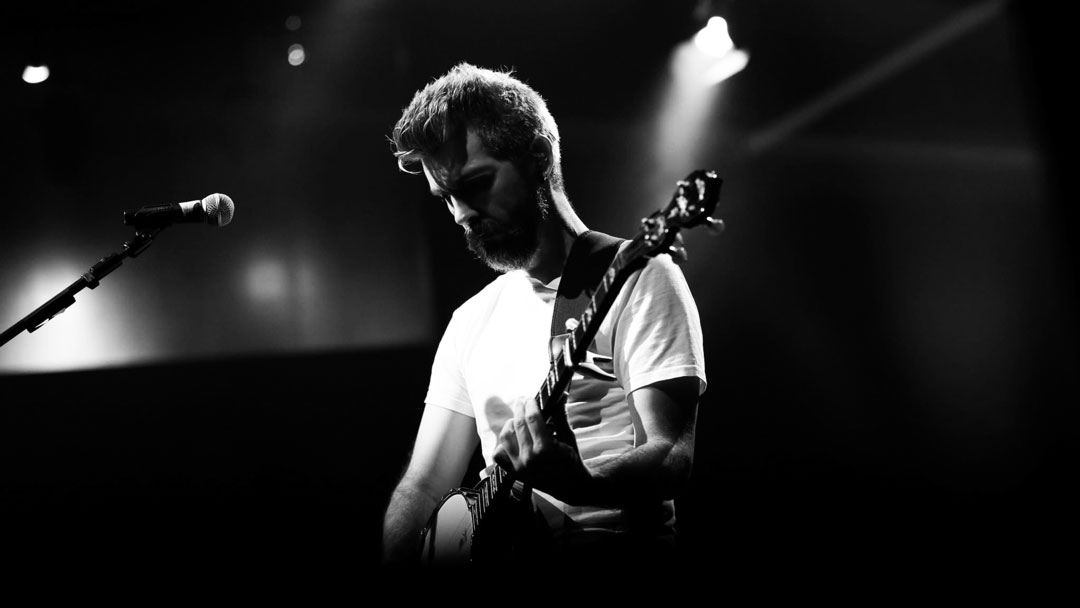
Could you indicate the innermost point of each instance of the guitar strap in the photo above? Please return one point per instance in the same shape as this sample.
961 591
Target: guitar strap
589 258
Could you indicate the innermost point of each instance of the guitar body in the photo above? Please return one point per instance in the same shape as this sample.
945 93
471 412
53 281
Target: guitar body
448 537
493 521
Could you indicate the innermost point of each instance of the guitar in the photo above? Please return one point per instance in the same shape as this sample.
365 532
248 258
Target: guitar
492 520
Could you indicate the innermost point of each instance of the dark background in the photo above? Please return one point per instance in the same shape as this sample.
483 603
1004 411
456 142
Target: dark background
889 316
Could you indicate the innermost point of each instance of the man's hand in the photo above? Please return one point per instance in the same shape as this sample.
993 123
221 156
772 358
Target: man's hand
529 447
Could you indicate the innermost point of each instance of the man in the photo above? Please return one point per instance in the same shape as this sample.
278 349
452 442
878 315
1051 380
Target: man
489 149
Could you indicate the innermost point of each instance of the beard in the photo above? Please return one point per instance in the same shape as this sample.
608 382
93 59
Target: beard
504 247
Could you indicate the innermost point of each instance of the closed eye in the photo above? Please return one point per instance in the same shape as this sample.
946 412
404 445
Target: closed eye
470 189
478 184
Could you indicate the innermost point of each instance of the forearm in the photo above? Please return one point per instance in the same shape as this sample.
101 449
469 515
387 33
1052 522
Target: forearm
440 458
657 470
405 518
659 467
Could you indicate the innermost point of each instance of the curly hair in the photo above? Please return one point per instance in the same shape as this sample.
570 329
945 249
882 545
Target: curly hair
506 113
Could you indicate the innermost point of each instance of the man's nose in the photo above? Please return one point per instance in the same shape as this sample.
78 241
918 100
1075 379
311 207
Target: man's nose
462 211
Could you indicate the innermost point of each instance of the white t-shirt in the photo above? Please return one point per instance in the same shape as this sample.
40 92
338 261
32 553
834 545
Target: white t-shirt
496 349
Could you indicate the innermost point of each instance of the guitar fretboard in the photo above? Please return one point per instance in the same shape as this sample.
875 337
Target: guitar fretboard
491 492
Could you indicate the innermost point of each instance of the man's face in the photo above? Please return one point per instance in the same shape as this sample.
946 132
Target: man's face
497 203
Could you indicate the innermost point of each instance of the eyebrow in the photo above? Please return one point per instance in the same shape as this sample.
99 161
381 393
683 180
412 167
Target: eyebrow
464 178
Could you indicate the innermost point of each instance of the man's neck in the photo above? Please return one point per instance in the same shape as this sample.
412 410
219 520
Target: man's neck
559 232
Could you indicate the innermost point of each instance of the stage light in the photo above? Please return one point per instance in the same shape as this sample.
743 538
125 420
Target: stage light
297 55
684 117
720 58
33 74
713 39
267 281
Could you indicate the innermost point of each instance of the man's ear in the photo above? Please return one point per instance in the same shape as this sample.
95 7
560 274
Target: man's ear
540 153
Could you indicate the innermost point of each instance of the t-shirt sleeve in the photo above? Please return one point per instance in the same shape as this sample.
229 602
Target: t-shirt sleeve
447 387
657 328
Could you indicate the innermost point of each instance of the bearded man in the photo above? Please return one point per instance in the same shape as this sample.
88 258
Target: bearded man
602 492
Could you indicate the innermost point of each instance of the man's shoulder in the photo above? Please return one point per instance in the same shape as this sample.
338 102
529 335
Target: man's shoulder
662 268
487 295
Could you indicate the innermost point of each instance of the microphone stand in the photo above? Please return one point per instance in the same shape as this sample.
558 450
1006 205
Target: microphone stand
65 298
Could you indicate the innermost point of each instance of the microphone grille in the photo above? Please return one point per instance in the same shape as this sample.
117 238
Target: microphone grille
218 209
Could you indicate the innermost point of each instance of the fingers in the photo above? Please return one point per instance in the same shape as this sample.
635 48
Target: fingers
524 437
529 447
506 451
533 433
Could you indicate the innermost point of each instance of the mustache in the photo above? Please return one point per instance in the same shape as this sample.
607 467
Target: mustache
482 228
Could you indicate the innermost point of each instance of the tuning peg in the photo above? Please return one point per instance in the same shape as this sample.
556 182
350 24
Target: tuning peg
678 253
677 249
714 225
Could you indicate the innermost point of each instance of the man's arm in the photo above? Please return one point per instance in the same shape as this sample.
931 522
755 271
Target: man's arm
445 442
660 465
665 413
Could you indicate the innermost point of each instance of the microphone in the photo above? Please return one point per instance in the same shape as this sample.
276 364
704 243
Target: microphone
216 210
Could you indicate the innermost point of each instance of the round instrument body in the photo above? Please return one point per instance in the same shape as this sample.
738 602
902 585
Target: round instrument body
448 537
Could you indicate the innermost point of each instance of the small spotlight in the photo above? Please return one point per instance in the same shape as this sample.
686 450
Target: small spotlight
717 58
297 55
292 23
33 74
713 39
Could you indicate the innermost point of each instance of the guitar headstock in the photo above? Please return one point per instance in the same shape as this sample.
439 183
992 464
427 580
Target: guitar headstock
692 205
